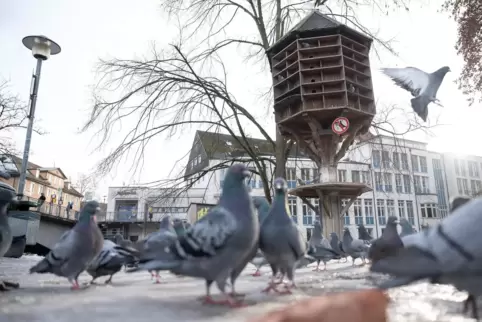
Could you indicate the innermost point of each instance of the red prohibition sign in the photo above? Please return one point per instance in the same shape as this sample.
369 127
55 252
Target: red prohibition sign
340 125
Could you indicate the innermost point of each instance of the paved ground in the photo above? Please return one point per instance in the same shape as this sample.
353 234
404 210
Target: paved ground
133 297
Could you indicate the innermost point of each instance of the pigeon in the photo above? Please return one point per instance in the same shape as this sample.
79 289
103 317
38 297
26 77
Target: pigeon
215 244
364 235
17 247
407 228
281 240
336 245
320 248
457 202
165 227
259 260
110 261
356 248
389 242
179 227
421 85
448 253
76 248
6 197
119 240
262 207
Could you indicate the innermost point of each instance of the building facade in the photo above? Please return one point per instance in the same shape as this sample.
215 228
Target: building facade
407 181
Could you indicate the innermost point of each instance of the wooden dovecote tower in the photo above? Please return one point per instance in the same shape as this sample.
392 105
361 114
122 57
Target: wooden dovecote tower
321 73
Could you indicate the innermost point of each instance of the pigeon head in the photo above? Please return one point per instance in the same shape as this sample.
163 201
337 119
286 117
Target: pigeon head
334 236
177 222
89 211
392 221
166 222
280 185
235 176
118 238
457 202
262 206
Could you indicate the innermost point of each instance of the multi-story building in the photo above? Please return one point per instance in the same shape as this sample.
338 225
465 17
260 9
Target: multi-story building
407 180
50 181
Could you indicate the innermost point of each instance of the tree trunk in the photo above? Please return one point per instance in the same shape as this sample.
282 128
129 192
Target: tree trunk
280 170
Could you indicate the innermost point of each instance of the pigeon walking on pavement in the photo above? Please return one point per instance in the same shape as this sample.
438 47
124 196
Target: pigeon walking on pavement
364 235
280 239
110 261
77 247
407 228
258 260
356 248
6 197
217 243
389 242
421 85
448 253
320 248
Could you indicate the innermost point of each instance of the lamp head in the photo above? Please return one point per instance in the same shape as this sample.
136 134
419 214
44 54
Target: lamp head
41 46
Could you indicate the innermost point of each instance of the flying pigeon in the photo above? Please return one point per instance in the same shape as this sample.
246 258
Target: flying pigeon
320 248
262 207
151 240
336 245
6 197
364 235
407 228
280 238
77 247
217 243
389 242
421 85
356 248
448 253
110 261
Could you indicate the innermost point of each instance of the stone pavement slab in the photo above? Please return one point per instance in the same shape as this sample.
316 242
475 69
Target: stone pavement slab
134 297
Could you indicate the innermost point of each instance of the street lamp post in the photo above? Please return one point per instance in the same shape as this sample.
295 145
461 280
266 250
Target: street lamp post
42 48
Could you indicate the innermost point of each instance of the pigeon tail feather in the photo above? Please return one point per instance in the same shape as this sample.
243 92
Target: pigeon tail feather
42 266
420 106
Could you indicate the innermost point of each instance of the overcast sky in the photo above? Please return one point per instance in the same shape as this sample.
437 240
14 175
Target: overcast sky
88 30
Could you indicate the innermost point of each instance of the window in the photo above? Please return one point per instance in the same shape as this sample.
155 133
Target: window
342 175
459 186
386 159
346 215
417 184
401 208
357 210
31 187
382 219
437 165
463 173
390 208
398 183
307 215
387 179
305 175
222 173
415 167
291 177
429 210
424 186
457 167
378 181
293 209
316 203
355 176
404 161
370 220
366 178
316 175
396 160
473 169
376 159
465 185
40 189
475 186
410 214
423 164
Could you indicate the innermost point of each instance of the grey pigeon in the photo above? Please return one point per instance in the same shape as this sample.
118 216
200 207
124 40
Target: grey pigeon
407 228
320 248
389 242
119 240
217 243
356 248
165 227
336 245
457 202
421 85
364 235
6 197
448 253
77 247
280 238
110 261
258 260
179 227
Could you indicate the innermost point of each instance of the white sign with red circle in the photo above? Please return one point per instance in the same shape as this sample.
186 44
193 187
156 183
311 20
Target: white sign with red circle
340 125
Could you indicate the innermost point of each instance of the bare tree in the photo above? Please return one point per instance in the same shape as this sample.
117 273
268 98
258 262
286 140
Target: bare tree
176 88
13 114
468 16
85 183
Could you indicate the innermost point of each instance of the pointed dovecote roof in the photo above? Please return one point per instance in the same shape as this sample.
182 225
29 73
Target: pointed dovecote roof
316 24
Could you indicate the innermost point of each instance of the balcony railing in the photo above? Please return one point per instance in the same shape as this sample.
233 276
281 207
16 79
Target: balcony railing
53 210
121 216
